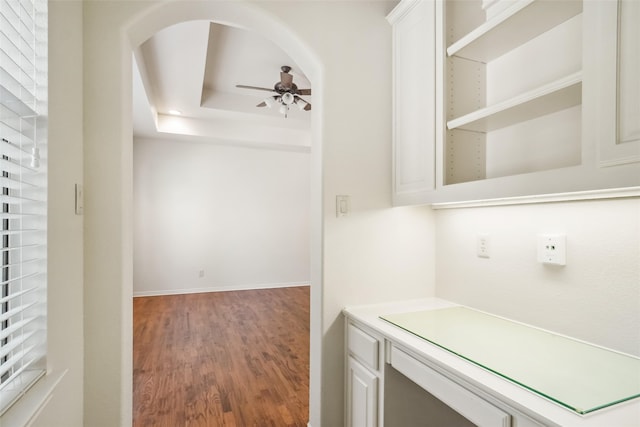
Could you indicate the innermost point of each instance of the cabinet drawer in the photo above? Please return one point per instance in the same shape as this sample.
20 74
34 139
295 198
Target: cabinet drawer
363 346
472 407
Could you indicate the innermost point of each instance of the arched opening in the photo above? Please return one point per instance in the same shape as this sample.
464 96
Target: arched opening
249 17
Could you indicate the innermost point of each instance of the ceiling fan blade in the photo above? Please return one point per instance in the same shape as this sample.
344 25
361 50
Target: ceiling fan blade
262 104
254 87
304 92
286 79
307 107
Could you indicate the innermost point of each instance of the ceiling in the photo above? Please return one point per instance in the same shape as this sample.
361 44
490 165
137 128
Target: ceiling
194 67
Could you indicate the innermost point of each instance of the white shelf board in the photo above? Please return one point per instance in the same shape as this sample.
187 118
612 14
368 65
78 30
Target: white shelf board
513 27
555 96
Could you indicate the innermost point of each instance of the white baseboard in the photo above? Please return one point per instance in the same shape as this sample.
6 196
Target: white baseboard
162 292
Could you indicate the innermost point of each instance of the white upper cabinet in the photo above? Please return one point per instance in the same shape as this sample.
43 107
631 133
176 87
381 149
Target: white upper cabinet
618 91
510 98
414 104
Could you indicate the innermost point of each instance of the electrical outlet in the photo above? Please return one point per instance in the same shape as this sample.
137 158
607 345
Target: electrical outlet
552 249
482 246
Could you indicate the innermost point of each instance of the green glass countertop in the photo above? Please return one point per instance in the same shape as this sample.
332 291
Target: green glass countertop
577 375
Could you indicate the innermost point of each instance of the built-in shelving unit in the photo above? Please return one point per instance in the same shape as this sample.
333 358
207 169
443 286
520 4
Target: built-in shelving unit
487 88
497 99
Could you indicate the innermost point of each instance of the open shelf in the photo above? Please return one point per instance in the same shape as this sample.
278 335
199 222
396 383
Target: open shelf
513 27
555 96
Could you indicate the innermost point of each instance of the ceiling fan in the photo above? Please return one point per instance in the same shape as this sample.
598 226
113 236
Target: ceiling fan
287 93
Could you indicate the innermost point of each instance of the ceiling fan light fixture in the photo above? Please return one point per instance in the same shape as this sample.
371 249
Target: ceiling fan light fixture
301 103
270 101
284 108
287 98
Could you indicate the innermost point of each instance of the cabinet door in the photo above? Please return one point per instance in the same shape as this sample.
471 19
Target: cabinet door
619 83
362 396
414 69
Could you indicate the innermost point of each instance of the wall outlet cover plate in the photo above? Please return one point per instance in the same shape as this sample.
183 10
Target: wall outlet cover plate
552 249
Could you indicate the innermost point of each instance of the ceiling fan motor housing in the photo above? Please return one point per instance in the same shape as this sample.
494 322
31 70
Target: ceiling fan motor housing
280 88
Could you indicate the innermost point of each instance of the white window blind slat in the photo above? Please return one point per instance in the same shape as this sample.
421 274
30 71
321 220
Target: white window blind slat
21 128
17 128
29 248
15 168
18 25
15 343
15 327
12 150
21 29
19 310
16 358
15 46
14 184
23 196
19 278
16 374
12 200
10 90
20 215
20 232
25 263
27 15
16 295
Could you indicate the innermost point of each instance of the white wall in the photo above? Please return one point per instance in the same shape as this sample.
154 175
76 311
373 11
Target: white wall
377 253
595 297
241 215
65 233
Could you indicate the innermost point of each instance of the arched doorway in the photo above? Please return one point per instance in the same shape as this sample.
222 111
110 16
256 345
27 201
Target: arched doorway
150 19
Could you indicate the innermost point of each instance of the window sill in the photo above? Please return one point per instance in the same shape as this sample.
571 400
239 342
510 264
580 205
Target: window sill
27 408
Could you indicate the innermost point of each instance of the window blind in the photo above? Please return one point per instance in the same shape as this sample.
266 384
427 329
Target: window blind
23 196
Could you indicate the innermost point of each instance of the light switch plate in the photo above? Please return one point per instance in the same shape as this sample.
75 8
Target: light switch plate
343 206
79 200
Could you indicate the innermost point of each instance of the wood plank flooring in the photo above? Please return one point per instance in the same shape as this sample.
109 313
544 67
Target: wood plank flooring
238 359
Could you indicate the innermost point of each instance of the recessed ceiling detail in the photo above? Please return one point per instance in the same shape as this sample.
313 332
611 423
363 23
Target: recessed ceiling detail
194 67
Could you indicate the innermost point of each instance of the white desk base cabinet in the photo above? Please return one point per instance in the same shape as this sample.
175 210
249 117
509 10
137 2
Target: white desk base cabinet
396 379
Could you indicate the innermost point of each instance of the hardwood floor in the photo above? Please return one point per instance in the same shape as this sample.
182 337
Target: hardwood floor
237 358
